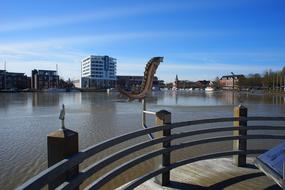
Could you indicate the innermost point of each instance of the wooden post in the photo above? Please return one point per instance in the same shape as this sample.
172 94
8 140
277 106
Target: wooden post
163 117
240 160
62 144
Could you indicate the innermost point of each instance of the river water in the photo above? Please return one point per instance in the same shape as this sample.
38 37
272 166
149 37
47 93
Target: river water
27 118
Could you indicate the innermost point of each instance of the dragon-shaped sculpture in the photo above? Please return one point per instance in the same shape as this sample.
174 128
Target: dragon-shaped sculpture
146 85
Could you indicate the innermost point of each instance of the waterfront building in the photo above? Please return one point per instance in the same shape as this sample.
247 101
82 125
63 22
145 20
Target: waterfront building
129 82
203 83
98 72
2 79
175 83
11 80
44 79
186 84
230 81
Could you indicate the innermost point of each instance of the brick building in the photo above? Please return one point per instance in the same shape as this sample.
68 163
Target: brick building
11 80
228 81
44 79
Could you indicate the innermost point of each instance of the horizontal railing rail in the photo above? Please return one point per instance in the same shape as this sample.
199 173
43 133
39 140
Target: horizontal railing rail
48 175
104 179
114 157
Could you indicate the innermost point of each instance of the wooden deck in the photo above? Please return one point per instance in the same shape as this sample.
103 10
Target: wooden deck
215 174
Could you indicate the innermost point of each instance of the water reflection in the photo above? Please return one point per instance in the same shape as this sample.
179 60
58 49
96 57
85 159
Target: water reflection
11 99
45 99
202 98
190 98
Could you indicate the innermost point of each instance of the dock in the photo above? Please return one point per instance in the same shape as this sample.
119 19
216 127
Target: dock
215 174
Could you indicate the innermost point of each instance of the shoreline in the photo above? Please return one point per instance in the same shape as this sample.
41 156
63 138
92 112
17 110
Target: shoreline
57 90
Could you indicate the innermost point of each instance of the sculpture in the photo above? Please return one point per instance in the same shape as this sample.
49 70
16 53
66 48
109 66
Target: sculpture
146 85
62 117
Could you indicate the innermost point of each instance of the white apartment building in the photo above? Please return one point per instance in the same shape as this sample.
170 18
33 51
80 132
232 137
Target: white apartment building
98 72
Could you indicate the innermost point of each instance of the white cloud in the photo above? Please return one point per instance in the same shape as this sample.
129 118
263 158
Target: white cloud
59 41
66 69
234 54
27 55
69 67
204 67
64 51
51 21
189 71
113 12
52 47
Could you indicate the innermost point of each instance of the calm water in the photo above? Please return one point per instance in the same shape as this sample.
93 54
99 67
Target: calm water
27 118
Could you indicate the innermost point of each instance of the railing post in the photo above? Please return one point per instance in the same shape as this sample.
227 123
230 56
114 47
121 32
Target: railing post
163 117
61 144
240 160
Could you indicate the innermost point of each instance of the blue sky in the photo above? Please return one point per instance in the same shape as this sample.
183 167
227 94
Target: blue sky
200 39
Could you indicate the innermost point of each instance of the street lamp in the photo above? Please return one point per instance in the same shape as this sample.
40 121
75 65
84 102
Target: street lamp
233 80
233 95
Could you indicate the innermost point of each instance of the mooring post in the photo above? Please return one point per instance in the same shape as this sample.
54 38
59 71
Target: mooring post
163 117
62 144
241 144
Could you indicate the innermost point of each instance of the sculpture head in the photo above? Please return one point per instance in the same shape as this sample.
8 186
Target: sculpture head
157 59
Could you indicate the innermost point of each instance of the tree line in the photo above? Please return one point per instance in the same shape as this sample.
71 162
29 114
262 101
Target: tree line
270 80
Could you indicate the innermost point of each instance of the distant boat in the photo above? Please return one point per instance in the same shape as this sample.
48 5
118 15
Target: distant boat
209 89
109 90
174 89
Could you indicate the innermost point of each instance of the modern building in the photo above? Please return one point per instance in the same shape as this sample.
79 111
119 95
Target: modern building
11 80
98 72
228 81
133 82
44 79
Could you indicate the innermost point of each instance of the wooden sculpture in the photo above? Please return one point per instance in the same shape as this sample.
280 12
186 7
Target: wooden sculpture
146 85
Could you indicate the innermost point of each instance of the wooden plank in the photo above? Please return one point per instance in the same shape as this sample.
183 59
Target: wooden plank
215 174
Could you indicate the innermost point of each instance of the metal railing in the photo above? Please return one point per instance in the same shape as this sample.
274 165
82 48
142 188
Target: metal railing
144 113
239 138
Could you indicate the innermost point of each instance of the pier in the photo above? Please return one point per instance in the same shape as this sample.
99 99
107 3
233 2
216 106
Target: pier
219 169
214 174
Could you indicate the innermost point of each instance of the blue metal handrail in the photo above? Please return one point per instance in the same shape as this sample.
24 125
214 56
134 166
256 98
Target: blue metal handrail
51 173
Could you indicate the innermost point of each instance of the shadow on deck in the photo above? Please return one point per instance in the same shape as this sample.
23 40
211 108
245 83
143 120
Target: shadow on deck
215 174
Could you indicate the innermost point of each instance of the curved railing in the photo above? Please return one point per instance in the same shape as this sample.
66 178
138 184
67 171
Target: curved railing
50 174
